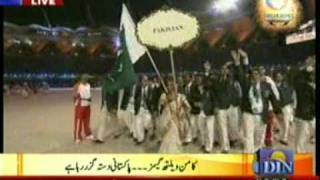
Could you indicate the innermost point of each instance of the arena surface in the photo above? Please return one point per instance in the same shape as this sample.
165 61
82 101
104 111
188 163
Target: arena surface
44 124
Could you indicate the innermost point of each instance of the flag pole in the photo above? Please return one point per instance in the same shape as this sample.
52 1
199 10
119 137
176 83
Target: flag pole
173 71
175 90
157 70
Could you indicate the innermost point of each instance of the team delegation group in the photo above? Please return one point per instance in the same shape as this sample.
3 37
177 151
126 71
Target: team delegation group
239 106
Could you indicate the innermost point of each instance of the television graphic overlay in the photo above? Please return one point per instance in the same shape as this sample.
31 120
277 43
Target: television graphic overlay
279 15
31 3
10 2
272 162
140 89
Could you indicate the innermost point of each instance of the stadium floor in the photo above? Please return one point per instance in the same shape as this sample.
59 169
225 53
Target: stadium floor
44 124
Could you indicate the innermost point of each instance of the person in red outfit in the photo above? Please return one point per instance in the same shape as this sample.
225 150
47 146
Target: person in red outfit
82 100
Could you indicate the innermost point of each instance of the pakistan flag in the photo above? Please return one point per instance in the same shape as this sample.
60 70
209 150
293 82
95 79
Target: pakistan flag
123 75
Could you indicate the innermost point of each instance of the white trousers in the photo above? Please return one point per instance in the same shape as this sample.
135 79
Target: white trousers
104 118
130 122
222 123
108 124
254 132
157 132
126 117
287 117
147 121
193 128
302 132
209 120
201 127
312 129
217 135
141 122
233 123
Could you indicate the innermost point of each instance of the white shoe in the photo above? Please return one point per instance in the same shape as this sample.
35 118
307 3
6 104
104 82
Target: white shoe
313 140
90 137
78 141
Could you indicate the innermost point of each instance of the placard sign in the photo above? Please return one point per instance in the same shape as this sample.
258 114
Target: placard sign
167 28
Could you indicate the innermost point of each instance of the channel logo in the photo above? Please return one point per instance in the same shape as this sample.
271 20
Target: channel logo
279 12
270 162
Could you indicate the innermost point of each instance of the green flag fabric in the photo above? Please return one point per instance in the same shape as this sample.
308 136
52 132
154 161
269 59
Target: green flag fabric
123 71
122 75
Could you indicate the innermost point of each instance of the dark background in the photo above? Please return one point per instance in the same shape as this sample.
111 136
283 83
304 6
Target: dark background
97 13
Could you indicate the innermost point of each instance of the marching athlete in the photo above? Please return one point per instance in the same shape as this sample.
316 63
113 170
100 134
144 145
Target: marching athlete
255 102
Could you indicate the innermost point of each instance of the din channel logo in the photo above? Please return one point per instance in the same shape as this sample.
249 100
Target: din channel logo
271 162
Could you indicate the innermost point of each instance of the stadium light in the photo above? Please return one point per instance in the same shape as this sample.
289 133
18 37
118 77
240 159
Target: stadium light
222 6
